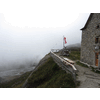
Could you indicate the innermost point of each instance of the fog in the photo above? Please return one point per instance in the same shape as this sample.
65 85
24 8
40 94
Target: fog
26 37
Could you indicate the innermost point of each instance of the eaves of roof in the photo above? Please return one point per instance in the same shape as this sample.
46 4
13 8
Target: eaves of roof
87 22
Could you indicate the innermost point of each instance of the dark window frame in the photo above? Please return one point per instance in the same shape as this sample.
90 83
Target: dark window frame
97 26
96 40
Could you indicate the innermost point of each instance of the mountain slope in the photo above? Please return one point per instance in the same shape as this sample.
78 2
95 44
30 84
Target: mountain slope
76 46
50 75
47 75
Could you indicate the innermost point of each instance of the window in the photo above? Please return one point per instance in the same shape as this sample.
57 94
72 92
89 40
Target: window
99 40
96 40
97 26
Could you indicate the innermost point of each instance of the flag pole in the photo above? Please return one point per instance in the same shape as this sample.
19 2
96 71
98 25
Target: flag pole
63 42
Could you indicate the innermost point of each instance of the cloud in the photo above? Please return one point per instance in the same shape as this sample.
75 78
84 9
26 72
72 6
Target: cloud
27 44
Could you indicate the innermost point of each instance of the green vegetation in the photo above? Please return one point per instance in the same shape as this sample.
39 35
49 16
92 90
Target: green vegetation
50 75
74 55
15 83
81 64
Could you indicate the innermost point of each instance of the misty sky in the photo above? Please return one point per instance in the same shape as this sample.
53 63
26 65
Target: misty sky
30 29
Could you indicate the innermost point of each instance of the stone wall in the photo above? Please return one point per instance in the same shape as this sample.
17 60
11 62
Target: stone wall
66 67
88 40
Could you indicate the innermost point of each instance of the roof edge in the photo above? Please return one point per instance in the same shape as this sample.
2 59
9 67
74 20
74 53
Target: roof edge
91 14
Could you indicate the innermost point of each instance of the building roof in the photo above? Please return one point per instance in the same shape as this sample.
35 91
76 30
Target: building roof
87 21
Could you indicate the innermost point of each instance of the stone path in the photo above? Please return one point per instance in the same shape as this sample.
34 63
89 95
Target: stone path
87 78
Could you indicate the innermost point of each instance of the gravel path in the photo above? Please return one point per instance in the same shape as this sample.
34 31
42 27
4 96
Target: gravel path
87 78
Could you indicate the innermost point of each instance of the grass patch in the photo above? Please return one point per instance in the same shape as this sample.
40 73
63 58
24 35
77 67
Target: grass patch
50 75
81 64
74 55
19 85
15 83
